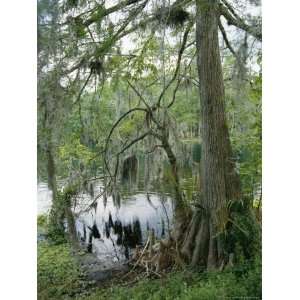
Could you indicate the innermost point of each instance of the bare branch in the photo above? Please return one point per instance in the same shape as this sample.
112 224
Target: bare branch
226 40
110 10
149 109
141 137
231 9
234 19
133 142
181 50
178 83
140 95
119 120
82 89
174 92
111 132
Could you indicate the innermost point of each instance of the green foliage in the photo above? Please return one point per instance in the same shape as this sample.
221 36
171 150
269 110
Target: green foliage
74 153
246 137
58 275
254 277
130 125
55 232
42 221
242 235
55 228
191 285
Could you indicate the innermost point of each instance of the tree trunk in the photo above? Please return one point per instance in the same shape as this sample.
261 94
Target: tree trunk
56 213
219 181
181 210
72 233
173 163
51 173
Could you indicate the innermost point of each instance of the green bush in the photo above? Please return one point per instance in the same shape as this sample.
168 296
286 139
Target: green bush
42 220
253 279
55 223
58 276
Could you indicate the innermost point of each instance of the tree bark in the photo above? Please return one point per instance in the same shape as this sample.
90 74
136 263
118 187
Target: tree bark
219 181
51 170
181 211
173 162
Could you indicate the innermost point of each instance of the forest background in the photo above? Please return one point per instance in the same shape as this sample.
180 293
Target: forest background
280 149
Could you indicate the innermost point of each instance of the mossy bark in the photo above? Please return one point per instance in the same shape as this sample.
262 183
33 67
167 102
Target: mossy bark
219 181
56 214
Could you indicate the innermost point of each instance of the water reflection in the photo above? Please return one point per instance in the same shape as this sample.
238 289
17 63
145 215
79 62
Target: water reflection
118 224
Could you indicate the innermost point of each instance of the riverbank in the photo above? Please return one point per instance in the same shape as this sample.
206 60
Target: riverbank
60 276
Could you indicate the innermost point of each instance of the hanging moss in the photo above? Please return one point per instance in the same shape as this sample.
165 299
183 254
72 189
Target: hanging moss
172 16
177 17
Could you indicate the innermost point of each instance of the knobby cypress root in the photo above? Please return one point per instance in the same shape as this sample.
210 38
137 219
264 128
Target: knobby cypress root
188 242
198 244
200 251
205 245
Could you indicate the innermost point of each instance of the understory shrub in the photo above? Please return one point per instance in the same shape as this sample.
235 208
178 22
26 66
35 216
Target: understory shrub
58 275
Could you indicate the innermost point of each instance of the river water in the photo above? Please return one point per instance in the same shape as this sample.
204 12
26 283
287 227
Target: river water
117 223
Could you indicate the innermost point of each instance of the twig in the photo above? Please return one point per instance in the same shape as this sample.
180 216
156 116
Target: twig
138 261
139 94
181 50
83 87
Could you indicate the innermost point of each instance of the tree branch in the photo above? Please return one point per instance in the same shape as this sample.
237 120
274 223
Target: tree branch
233 19
226 40
118 122
109 41
110 10
112 130
181 50
139 95
127 147
149 109
82 89
133 142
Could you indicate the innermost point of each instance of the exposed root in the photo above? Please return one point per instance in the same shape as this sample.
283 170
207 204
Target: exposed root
188 242
156 257
201 244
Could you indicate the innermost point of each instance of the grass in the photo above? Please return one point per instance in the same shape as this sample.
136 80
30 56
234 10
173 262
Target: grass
59 277
186 285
